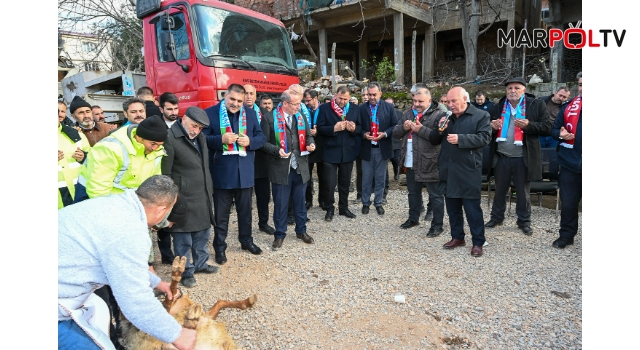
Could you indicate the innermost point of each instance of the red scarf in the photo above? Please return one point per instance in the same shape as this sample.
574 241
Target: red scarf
571 115
341 113
417 117
280 126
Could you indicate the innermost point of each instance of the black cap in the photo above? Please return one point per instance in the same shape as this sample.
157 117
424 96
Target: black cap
179 212
153 129
77 103
518 80
197 115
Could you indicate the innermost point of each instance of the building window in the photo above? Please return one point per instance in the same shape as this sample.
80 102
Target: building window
88 66
88 46
454 51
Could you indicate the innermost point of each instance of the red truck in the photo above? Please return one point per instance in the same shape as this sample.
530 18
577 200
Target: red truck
197 48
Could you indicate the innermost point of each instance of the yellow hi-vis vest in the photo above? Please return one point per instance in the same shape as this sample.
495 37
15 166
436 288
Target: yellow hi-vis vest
117 163
69 140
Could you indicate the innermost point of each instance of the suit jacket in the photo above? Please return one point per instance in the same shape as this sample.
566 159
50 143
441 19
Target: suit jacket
232 171
279 167
316 156
189 169
339 147
261 167
387 120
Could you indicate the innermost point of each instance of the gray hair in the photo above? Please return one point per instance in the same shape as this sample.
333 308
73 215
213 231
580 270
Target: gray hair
157 190
374 84
563 88
579 75
286 94
418 86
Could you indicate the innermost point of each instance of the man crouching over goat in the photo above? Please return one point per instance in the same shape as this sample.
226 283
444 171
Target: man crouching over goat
95 249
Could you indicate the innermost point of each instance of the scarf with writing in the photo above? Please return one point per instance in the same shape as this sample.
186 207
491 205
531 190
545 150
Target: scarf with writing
339 111
225 127
416 118
521 113
258 113
571 115
375 124
280 125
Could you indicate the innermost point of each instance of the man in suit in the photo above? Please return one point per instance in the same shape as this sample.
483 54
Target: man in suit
339 125
261 167
233 136
187 163
289 141
378 119
310 99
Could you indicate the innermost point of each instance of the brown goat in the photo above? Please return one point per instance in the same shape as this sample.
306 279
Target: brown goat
211 335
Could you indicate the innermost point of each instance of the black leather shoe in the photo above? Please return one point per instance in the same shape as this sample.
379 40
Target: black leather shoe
526 229
329 215
562 242
252 248
188 281
267 229
428 216
380 210
492 223
291 220
347 213
208 269
305 238
435 231
396 177
277 243
409 224
221 258
365 209
309 204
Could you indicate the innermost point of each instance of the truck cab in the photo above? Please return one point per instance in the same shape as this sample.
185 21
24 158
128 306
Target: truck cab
197 48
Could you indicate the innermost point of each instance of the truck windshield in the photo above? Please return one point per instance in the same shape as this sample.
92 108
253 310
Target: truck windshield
230 34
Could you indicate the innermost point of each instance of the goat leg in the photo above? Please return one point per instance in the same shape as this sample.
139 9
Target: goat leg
176 275
240 304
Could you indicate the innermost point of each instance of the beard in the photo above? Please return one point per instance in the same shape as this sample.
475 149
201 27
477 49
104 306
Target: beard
87 122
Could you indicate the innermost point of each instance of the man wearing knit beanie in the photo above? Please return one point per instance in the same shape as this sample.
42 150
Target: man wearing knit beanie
123 160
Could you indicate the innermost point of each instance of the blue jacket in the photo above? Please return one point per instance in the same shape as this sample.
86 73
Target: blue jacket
339 147
232 171
570 158
387 120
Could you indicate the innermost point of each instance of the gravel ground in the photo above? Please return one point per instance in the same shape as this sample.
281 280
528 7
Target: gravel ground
339 292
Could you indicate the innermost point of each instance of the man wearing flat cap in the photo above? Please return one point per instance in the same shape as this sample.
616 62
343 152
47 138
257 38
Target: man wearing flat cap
516 122
187 163
123 160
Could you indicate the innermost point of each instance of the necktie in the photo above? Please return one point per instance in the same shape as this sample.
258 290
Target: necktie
294 161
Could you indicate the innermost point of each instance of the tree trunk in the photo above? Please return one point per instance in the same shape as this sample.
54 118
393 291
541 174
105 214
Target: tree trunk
470 19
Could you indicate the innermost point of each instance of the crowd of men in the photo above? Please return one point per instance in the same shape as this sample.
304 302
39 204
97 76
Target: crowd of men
246 144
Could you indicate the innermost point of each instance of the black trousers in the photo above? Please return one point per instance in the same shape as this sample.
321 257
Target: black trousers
222 200
106 294
570 184
508 170
474 218
436 193
358 175
164 244
321 183
339 173
263 196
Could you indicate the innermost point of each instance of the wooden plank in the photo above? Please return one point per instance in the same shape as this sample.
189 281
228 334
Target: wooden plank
410 9
398 47
413 58
322 40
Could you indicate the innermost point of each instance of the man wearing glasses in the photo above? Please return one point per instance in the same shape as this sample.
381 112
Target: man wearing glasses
378 120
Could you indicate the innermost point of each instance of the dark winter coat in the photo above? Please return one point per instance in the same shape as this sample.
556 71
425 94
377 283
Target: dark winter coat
279 167
569 158
189 169
261 165
425 155
387 120
539 125
461 165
